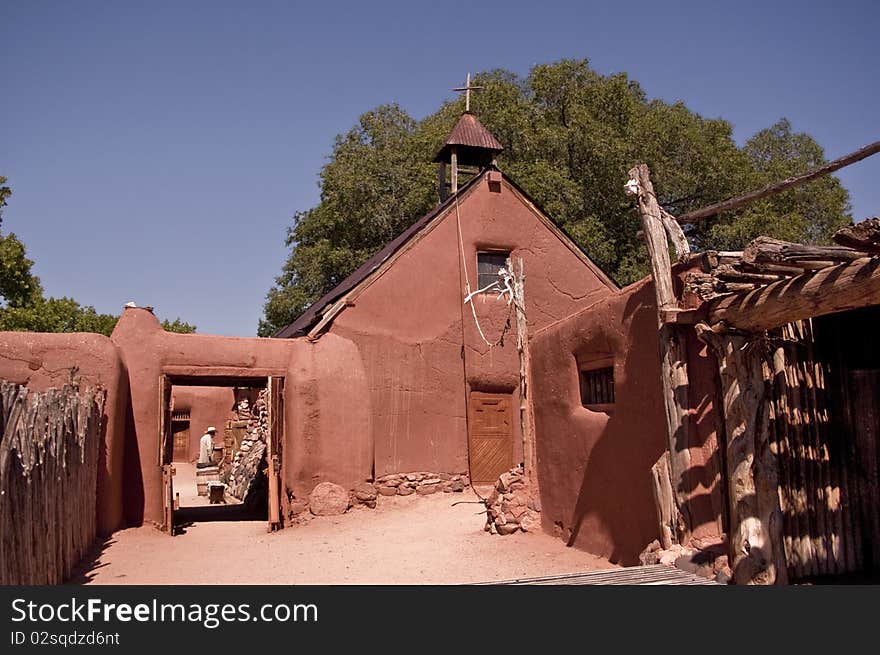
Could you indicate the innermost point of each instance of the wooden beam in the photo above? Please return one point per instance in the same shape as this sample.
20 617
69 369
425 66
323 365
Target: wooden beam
832 289
779 187
767 250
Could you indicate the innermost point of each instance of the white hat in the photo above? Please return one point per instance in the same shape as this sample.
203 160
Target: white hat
212 429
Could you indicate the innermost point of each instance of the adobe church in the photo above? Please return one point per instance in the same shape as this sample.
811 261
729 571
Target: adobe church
433 328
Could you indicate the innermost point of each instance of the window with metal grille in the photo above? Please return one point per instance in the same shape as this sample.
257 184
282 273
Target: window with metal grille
597 386
488 265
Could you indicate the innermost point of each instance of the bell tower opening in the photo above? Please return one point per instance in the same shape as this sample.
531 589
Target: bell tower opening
469 148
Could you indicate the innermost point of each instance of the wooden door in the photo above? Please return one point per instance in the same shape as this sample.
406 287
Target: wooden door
274 444
490 442
180 430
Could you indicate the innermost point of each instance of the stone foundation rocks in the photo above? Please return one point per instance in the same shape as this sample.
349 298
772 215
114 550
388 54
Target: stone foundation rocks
708 562
512 506
368 494
421 482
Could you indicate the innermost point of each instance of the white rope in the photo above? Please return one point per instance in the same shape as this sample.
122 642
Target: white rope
470 294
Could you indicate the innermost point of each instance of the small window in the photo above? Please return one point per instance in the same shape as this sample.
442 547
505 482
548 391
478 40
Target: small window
597 386
488 265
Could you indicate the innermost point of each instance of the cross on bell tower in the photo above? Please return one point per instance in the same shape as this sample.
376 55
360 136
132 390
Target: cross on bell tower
469 144
467 88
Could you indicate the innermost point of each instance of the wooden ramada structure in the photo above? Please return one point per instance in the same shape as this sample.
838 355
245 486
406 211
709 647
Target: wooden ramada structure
797 398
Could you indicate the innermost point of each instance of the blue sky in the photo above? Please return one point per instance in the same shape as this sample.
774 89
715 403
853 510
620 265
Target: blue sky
157 151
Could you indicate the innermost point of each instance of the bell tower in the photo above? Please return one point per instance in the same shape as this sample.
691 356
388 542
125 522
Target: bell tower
469 148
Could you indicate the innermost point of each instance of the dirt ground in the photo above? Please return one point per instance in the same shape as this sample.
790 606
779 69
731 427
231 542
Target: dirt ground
405 540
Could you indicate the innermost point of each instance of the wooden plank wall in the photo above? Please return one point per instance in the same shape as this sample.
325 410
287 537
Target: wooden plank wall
48 477
826 455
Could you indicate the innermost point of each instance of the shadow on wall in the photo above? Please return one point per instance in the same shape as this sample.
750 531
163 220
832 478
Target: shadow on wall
595 463
133 479
610 511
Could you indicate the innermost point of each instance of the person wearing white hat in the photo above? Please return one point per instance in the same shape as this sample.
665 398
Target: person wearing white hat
206 448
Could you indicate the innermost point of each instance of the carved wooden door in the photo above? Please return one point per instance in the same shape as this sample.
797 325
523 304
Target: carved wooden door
490 442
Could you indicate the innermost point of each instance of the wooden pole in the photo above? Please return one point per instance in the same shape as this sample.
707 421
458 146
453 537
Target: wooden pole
673 347
530 461
453 170
441 181
779 187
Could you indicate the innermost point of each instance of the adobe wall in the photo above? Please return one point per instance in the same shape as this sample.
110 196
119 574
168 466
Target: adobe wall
324 429
409 325
207 406
42 361
594 468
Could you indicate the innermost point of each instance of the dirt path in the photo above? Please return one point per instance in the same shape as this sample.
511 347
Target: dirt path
411 540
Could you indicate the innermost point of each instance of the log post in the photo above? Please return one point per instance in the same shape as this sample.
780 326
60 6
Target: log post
673 350
522 346
757 554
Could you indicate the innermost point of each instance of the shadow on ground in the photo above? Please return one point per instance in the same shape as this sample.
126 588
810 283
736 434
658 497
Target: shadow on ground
88 566
185 517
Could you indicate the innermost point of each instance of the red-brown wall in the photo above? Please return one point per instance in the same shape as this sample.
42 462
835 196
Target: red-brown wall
594 468
420 346
43 361
327 436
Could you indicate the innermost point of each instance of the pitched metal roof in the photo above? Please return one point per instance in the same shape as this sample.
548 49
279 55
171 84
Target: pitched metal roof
469 132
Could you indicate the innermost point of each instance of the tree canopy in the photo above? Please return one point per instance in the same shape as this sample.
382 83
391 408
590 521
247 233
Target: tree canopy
570 135
23 306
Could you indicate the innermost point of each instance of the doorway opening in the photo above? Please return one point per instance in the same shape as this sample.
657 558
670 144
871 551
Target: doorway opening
220 449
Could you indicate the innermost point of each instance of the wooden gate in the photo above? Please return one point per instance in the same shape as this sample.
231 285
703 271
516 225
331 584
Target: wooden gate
274 443
490 438
165 454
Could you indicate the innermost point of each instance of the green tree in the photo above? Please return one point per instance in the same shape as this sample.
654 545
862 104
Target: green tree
807 214
178 326
18 286
570 135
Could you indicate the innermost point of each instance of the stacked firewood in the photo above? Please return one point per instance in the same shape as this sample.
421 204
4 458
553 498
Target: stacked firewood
766 260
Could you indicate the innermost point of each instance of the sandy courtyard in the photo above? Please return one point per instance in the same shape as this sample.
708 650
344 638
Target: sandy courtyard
405 540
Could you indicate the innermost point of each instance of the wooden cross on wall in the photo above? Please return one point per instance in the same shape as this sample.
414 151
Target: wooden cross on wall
467 88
